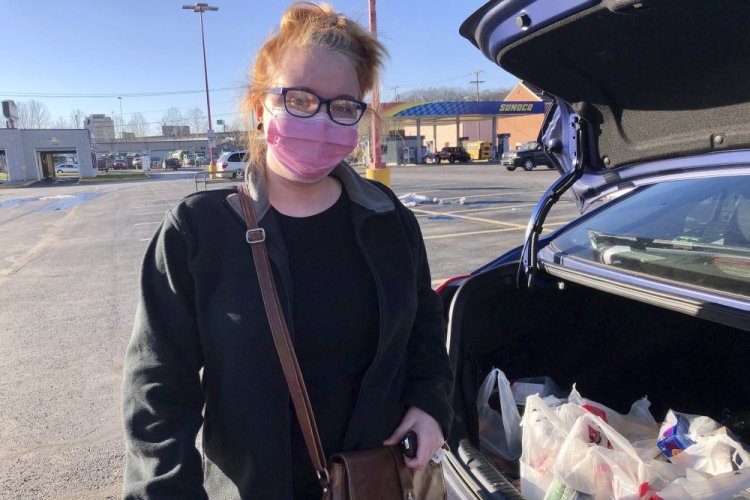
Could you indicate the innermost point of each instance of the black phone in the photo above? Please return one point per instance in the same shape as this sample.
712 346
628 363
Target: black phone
409 444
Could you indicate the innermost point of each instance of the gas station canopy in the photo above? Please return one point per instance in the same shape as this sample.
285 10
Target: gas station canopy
447 112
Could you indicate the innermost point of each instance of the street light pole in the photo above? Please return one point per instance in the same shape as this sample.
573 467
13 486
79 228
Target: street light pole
121 129
200 8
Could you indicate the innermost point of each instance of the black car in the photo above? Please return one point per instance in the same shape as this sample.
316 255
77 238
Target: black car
648 291
528 155
453 154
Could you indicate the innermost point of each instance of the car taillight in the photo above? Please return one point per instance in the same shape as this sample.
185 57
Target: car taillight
224 165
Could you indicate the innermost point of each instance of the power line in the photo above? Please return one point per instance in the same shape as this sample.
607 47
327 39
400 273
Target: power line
432 82
151 111
115 95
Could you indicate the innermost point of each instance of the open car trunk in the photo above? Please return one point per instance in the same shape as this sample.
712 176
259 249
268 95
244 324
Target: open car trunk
614 349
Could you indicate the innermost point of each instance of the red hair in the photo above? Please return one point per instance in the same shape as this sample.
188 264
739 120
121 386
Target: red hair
306 24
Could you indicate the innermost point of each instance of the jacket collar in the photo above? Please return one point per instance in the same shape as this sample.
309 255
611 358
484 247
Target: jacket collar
360 191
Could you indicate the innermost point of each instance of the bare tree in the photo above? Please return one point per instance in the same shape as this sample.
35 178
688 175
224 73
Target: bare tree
197 120
117 122
236 134
76 118
61 122
138 125
173 116
33 114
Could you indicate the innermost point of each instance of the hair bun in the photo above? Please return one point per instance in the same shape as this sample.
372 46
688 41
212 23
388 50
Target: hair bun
300 12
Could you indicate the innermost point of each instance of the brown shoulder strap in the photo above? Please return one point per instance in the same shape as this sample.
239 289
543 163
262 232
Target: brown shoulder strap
256 237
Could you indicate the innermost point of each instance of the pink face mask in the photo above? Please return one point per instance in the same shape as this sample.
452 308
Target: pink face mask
310 148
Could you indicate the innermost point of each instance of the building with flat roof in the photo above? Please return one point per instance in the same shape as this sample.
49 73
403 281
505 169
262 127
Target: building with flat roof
32 154
101 126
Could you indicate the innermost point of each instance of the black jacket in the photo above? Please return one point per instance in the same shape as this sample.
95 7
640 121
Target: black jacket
201 308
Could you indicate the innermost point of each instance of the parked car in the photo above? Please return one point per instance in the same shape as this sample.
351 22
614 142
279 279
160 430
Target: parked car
104 163
67 168
528 155
189 160
137 163
452 154
648 291
173 163
233 163
119 164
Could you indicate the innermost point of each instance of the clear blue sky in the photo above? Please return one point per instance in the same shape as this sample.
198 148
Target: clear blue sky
137 46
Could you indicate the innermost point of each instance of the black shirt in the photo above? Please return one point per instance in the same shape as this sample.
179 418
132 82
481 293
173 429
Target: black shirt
335 326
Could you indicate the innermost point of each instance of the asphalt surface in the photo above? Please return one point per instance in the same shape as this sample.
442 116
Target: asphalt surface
69 263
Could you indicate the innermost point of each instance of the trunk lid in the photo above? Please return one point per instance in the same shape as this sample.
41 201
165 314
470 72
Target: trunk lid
652 80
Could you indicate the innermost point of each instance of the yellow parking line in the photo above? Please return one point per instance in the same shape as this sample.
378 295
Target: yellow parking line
475 219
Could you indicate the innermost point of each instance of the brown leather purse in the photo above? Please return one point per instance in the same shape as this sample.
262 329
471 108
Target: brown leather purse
379 473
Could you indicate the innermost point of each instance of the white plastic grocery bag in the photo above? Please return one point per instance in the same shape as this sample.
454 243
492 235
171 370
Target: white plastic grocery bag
499 433
543 435
611 471
735 485
638 426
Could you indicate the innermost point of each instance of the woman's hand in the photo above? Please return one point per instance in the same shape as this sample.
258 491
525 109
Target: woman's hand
429 436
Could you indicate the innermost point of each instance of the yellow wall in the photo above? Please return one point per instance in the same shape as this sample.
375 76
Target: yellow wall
446 133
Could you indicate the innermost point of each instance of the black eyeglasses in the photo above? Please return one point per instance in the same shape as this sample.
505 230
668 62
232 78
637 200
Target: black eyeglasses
303 104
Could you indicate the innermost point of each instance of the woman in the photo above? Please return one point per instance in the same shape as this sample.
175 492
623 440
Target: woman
351 270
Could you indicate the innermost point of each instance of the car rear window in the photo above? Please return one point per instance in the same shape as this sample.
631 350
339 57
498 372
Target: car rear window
693 232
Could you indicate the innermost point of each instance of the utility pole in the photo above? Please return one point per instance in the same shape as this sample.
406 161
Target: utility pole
377 170
477 81
395 93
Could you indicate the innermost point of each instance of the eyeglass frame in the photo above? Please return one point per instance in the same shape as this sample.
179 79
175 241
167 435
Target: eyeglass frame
282 91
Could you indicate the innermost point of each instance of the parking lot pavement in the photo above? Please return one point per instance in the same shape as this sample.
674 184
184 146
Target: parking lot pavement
475 212
69 267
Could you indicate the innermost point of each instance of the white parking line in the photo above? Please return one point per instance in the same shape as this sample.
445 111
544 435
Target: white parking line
147 223
152 213
488 231
475 219
490 209
470 233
